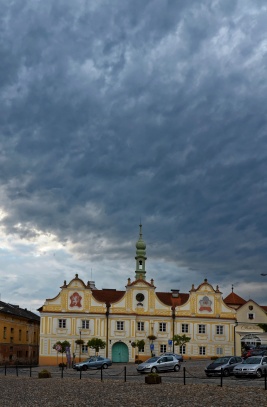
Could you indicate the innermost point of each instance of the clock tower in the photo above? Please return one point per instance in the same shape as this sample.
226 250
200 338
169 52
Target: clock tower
140 258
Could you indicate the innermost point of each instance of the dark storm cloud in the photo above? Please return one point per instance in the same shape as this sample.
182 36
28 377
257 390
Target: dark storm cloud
112 111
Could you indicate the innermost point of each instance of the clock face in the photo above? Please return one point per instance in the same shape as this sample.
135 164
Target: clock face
140 297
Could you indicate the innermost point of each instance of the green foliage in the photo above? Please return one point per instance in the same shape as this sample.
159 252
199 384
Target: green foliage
152 337
44 374
79 341
140 344
180 340
96 344
63 346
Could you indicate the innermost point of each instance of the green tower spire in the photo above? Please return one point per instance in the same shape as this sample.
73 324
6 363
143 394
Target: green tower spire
140 270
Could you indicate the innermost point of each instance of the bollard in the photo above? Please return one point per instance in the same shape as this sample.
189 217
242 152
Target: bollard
221 377
184 376
5 369
62 368
265 381
101 373
80 374
30 371
17 372
125 373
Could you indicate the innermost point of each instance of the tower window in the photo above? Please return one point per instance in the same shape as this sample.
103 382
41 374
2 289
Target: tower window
140 264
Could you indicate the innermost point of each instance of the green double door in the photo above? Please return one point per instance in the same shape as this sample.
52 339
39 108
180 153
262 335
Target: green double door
120 353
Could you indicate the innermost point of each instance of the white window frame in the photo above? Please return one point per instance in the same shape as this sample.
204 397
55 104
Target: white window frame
219 329
185 328
162 327
120 325
62 323
182 349
202 350
201 329
85 324
140 326
163 348
219 351
84 349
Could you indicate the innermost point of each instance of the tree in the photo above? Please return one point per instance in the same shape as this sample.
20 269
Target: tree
180 340
62 347
139 344
96 344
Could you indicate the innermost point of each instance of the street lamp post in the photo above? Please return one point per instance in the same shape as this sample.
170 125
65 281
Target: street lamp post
80 344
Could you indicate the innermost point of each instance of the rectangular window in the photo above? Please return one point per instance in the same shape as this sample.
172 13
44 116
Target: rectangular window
11 330
142 350
4 333
202 350
20 335
219 351
182 350
219 330
162 326
120 325
19 354
11 339
84 349
185 328
140 326
85 324
201 329
250 316
163 348
62 323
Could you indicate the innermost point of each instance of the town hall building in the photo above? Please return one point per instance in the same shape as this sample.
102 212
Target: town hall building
80 311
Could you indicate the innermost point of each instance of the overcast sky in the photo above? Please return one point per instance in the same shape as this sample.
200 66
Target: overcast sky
112 111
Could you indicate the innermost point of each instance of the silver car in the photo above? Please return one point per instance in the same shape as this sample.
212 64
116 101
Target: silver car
159 364
95 362
224 365
252 366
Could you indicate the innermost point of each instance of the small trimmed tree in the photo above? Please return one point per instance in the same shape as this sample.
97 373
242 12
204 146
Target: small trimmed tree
96 344
180 340
139 344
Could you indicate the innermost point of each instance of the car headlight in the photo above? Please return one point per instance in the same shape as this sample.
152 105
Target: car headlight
218 368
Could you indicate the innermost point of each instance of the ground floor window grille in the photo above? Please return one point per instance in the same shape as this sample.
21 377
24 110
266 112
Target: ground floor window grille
202 350
163 348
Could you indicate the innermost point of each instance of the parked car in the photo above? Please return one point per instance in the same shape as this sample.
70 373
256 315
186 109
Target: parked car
159 364
254 352
96 362
178 357
252 366
227 363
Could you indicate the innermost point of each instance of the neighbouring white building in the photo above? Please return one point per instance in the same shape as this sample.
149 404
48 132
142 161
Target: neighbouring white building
81 311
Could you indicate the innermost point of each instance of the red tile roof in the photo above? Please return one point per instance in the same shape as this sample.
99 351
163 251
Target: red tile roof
234 299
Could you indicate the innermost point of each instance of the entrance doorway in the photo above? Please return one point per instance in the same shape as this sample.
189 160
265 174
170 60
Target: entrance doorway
120 353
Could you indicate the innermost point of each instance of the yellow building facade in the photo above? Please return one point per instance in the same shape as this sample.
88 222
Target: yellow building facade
80 311
19 335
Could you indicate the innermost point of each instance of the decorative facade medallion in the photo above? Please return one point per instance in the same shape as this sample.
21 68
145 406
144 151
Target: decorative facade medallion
205 304
75 300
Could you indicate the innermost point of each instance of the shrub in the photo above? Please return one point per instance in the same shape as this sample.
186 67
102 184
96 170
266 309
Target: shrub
44 374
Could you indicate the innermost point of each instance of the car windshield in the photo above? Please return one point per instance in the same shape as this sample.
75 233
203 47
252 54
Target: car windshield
151 360
221 360
251 361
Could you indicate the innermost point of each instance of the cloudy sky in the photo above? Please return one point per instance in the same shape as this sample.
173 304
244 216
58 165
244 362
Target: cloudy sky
116 111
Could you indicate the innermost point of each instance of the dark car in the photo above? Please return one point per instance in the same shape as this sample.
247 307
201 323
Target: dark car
178 357
225 364
254 352
95 362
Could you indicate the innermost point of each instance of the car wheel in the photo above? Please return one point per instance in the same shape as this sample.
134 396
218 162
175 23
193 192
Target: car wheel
105 366
154 370
85 367
226 373
258 373
176 368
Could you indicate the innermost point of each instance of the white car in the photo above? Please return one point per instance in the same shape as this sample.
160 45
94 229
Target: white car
252 366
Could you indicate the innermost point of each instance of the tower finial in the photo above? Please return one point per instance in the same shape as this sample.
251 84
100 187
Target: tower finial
140 271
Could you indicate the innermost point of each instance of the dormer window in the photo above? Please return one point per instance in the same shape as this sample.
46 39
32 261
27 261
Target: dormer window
250 316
